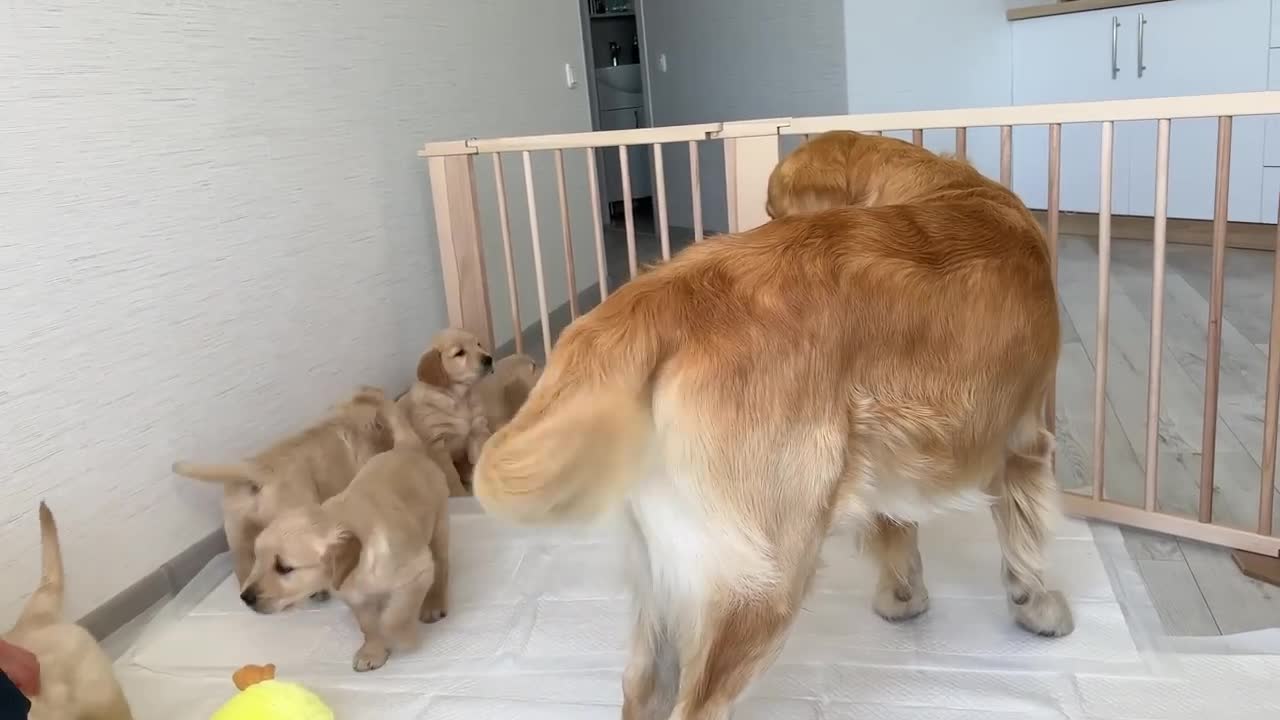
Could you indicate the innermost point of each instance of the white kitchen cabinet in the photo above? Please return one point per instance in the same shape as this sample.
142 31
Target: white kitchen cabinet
1065 58
1184 47
1231 39
1270 193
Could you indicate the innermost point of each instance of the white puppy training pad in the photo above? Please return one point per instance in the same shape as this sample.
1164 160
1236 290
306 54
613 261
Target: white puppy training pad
540 618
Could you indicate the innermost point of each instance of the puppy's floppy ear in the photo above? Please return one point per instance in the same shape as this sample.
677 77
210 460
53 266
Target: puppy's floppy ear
342 556
431 369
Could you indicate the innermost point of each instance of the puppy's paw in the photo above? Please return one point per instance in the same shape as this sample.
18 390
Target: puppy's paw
322 596
432 612
370 656
1044 613
897 602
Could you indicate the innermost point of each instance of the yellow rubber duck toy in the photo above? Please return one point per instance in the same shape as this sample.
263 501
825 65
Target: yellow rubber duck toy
262 697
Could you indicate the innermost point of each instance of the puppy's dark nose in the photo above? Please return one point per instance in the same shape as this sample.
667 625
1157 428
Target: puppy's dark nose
249 596
487 361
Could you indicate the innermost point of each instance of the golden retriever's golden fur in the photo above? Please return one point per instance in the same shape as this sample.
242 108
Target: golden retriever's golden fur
839 169
76 676
443 406
876 362
381 545
303 469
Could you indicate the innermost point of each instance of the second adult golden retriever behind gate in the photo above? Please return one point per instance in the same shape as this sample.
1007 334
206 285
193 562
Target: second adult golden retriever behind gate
872 364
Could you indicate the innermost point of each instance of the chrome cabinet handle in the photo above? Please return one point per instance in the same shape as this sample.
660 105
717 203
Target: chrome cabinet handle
1115 43
1142 27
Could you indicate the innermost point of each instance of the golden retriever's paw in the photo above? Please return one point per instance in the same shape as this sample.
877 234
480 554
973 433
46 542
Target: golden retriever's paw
896 603
370 656
432 612
1044 613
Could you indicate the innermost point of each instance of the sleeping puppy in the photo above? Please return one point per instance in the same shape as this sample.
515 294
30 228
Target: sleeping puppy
303 469
443 407
843 168
76 679
503 392
381 545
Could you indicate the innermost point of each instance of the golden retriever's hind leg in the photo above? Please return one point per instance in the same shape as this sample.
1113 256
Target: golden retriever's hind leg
404 607
435 606
743 635
900 592
648 683
374 652
1023 513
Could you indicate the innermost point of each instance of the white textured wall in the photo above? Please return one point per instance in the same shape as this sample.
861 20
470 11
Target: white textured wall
738 60
212 224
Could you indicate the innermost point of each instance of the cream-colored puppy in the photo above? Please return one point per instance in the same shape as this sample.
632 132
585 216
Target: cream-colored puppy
303 469
381 545
76 680
443 407
503 392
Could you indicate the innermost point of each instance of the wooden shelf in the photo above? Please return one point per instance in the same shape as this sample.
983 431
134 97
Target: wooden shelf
601 16
1072 6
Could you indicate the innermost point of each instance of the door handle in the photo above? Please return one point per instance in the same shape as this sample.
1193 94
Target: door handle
1142 27
1115 43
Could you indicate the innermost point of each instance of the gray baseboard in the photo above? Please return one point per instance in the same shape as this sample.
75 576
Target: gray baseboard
161 583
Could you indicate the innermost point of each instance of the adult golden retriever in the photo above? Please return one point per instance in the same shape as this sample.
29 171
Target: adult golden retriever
874 364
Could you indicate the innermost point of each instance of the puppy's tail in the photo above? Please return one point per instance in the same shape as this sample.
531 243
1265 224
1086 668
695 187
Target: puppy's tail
44 607
402 433
583 435
215 472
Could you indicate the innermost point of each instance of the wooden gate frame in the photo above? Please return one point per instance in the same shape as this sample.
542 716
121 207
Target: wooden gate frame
750 153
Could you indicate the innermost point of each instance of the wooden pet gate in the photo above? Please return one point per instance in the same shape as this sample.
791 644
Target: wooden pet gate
751 150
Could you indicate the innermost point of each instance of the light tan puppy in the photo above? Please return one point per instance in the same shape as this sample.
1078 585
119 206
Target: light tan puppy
503 392
868 364
443 407
381 545
76 679
303 469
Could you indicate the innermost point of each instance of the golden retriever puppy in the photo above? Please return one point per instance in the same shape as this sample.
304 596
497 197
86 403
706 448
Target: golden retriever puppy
303 469
503 392
76 678
442 405
844 168
872 365
381 545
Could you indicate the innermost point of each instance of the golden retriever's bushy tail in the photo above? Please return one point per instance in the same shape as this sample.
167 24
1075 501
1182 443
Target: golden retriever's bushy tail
583 435
44 607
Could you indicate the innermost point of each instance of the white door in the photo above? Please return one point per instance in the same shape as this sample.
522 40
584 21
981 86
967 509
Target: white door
1068 58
